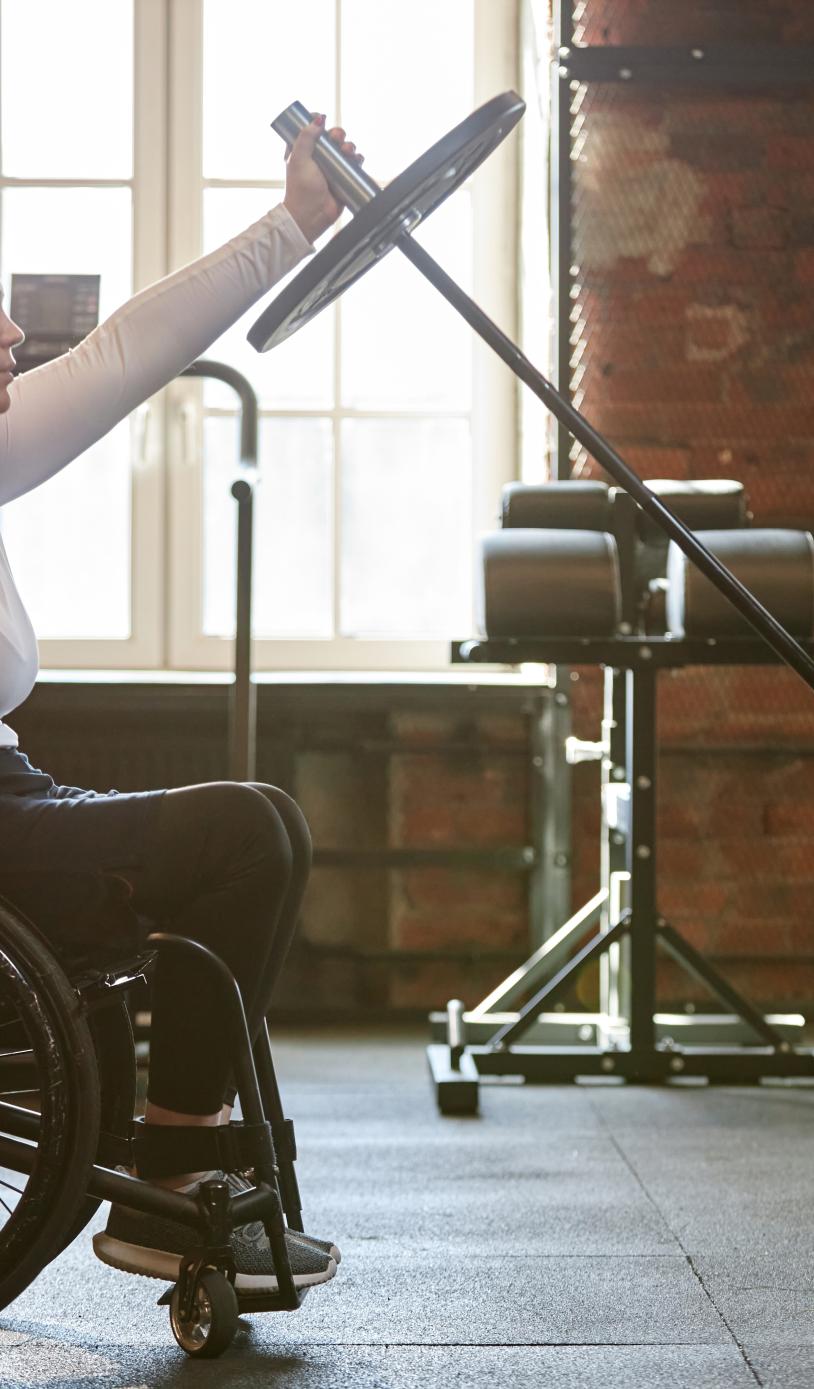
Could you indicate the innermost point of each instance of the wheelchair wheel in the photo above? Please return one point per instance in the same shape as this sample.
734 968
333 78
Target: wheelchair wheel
112 1035
49 1104
213 1323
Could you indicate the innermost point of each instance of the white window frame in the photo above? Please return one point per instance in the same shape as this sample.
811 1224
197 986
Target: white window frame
146 647
167 434
494 411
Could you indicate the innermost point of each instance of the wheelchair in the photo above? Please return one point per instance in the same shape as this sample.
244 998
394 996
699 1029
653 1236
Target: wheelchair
67 1101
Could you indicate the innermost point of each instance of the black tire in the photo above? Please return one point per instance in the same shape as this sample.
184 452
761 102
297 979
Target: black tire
112 1035
214 1319
49 1095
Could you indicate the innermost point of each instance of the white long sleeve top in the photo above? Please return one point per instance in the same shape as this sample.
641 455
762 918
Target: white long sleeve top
60 409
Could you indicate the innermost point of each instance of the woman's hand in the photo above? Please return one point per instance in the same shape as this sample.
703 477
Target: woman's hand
307 195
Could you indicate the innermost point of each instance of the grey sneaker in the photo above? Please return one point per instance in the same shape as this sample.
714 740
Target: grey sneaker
152 1246
238 1181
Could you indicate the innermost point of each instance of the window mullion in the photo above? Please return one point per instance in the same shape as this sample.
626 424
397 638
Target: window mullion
148 538
337 401
184 429
494 219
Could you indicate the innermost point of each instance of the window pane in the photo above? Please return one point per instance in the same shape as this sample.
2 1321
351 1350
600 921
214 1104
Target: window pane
67 88
403 346
407 77
297 375
69 545
258 58
70 231
406 528
293 550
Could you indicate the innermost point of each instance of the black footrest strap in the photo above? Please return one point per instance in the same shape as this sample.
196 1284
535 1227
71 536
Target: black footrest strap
164 1150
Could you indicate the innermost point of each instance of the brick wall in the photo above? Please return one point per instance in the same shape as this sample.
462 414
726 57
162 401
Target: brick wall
381 771
694 228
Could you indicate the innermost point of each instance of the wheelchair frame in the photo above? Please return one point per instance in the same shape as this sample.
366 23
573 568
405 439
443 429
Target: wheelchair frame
266 1144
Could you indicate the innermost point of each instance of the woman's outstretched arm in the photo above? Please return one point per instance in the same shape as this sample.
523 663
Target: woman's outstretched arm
60 409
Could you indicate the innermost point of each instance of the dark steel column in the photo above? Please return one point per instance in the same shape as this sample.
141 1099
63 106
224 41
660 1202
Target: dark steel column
243 705
641 854
560 223
550 895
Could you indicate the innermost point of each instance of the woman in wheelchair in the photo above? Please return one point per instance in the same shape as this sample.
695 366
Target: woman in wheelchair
224 863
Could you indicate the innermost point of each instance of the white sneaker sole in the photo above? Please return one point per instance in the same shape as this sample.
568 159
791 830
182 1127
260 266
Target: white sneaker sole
159 1263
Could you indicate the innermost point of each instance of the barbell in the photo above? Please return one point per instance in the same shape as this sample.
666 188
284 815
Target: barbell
384 218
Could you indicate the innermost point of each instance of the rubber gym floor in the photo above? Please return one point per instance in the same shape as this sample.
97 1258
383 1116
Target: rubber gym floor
570 1237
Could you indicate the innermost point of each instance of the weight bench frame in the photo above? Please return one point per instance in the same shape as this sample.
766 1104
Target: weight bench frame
630 1040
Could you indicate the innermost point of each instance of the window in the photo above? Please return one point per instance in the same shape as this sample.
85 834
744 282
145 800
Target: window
385 429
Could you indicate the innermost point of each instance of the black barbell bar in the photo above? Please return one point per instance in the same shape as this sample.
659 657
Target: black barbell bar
355 189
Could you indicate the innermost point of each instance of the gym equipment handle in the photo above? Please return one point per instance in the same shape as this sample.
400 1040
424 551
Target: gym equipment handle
346 179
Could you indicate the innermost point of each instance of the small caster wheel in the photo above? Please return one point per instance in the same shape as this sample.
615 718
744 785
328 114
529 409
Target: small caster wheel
214 1317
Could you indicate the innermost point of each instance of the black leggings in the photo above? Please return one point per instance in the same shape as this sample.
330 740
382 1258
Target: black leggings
228 867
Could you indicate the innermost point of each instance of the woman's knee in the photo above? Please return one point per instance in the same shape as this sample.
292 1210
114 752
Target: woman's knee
292 817
236 828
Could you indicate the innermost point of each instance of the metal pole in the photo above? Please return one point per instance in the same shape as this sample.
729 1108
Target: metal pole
551 812
560 216
243 709
738 594
641 747
243 695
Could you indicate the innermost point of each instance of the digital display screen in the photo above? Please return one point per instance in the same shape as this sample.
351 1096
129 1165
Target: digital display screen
55 312
50 311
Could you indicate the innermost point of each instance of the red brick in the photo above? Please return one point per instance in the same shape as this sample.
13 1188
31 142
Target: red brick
725 704
727 151
691 22
503 730
760 227
698 801
740 937
783 982
422 727
453 800
793 152
728 112
746 188
763 864
800 936
698 384
656 461
714 335
430 984
682 899
464 928
804 265
687 860
613 347
726 267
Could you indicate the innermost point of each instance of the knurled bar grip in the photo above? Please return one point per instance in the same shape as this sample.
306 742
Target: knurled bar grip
356 189
348 182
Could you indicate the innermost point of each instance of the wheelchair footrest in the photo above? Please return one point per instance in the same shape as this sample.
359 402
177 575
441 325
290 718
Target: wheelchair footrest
270 1302
253 1302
